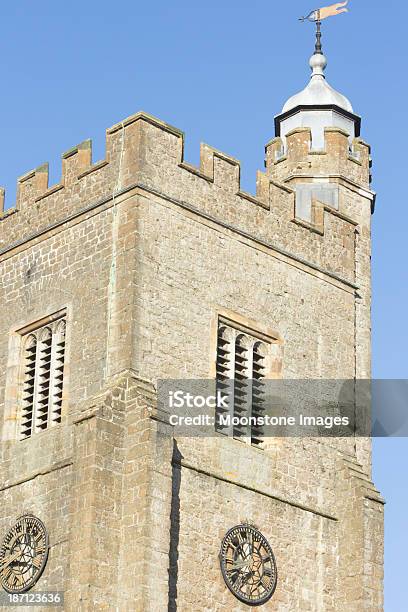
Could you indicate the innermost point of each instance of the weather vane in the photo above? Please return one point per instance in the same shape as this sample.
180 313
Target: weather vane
317 15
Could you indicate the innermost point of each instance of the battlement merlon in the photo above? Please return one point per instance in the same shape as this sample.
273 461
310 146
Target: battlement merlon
2 197
143 151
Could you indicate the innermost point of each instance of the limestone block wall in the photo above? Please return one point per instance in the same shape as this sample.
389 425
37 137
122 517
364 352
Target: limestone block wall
327 559
302 542
65 270
37 480
176 306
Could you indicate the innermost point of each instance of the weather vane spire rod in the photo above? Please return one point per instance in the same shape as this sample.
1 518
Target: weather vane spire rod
317 15
318 45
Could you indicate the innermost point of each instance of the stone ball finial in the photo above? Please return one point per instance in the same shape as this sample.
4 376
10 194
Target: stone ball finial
318 63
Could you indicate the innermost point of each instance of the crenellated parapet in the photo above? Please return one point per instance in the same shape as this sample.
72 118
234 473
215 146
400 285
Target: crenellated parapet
146 154
337 158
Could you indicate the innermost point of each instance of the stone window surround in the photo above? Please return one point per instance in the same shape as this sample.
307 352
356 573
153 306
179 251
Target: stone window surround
255 329
15 374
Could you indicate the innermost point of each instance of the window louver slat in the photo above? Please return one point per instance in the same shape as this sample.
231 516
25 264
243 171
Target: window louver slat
241 375
43 387
224 374
258 390
28 387
59 355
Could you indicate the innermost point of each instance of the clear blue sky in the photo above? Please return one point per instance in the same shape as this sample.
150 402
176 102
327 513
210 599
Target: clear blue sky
220 71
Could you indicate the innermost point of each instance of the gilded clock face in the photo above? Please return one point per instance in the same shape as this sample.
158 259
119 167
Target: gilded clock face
23 554
248 565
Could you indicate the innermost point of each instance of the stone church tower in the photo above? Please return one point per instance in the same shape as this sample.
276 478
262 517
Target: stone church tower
142 267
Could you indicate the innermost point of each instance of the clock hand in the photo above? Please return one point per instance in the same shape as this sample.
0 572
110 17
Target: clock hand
241 580
239 564
9 560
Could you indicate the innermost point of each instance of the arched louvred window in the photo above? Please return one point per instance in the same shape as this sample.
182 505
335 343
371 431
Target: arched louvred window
58 358
243 361
43 379
225 372
43 374
29 367
259 357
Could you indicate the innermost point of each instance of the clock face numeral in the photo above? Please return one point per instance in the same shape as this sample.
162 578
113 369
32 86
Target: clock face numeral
23 554
248 565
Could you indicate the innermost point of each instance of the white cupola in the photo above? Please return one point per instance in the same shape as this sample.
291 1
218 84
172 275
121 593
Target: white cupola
317 106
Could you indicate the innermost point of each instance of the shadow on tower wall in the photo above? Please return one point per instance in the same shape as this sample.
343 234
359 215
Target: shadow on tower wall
174 528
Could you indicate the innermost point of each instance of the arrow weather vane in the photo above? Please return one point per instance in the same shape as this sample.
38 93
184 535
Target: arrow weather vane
317 15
